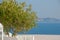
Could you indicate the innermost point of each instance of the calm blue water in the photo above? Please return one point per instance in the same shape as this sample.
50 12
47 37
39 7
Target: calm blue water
45 28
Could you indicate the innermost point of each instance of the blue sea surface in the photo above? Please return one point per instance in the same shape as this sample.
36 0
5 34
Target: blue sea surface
45 28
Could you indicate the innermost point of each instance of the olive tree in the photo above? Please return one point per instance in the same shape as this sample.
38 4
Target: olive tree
16 16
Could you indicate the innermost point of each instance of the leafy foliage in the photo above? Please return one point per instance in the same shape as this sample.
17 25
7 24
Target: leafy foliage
17 17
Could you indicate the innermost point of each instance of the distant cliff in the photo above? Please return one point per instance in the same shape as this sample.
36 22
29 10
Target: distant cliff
49 20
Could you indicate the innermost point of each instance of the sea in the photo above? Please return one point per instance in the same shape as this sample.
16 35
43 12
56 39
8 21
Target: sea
45 28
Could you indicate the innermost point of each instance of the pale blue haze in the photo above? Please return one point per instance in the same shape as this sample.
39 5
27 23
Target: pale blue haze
45 8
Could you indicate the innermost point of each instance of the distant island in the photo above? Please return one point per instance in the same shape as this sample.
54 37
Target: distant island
49 20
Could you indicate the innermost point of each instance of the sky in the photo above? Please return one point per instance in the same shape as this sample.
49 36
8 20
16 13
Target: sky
45 8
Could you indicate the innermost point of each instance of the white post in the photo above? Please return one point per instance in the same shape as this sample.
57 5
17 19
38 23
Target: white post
33 37
1 29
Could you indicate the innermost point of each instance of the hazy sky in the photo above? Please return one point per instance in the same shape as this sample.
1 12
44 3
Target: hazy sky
45 8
